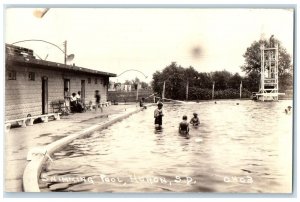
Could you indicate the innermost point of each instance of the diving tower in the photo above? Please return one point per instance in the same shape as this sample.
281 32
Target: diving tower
269 90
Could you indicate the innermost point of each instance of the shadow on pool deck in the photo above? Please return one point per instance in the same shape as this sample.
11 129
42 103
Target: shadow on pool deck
18 141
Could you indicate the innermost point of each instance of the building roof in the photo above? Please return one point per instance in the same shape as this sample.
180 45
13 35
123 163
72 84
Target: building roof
29 59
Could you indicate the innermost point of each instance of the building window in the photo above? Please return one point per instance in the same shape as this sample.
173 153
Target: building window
31 76
96 81
89 80
12 75
106 81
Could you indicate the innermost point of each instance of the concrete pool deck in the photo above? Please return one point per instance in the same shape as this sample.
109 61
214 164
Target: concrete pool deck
18 141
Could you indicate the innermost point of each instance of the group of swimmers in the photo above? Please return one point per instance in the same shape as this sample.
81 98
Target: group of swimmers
183 125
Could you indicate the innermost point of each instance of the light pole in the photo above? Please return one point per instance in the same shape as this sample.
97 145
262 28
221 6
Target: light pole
241 86
187 91
65 52
213 90
163 94
137 91
186 88
66 57
133 70
137 85
164 91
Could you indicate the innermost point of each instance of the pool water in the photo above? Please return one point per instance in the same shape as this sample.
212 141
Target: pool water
245 148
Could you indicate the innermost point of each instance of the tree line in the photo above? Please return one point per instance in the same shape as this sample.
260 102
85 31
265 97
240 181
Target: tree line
176 79
226 84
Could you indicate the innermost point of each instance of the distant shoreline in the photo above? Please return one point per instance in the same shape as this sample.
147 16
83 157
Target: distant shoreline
217 100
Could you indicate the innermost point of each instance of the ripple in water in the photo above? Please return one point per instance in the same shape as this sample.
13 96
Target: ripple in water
237 148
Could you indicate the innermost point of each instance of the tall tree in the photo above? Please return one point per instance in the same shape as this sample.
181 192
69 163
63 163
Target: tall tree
253 63
174 78
251 81
235 81
205 80
221 79
191 76
286 81
144 85
157 82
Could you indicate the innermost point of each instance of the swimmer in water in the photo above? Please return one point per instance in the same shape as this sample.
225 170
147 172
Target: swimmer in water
184 126
158 114
288 110
195 120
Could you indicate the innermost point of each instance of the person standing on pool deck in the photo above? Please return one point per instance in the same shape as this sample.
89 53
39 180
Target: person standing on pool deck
98 98
158 114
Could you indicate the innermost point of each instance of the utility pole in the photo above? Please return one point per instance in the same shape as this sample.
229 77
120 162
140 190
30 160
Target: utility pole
241 87
187 90
213 89
164 91
65 51
137 92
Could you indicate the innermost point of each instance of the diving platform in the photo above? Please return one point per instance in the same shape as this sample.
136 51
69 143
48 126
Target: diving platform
269 89
268 96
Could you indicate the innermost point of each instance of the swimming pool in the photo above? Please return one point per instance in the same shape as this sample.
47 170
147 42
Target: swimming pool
237 148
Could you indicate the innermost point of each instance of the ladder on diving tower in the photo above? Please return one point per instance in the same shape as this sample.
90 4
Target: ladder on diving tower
269 74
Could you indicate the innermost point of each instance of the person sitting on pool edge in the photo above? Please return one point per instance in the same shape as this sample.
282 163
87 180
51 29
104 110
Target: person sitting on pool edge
184 126
158 114
195 120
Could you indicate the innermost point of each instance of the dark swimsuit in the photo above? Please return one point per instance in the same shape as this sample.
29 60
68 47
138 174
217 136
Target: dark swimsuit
195 121
158 120
184 127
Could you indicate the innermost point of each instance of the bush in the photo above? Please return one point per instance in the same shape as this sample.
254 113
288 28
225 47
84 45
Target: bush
206 94
200 94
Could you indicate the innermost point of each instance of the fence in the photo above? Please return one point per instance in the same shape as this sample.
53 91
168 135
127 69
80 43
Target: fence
119 96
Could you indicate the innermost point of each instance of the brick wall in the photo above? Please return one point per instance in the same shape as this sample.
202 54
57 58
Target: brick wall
23 97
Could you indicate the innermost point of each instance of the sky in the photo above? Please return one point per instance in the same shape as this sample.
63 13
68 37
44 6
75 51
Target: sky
148 39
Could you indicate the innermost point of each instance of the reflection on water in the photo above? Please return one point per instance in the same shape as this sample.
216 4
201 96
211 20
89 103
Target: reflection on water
237 148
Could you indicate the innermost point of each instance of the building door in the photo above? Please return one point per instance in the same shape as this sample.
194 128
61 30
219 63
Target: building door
44 95
83 91
66 86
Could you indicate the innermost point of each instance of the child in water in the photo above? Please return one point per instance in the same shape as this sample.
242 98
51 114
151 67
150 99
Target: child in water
288 110
195 120
158 114
184 126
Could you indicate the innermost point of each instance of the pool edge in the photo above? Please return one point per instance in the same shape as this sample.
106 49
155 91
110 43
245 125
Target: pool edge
33 169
